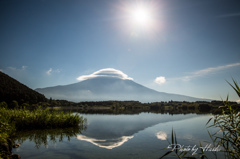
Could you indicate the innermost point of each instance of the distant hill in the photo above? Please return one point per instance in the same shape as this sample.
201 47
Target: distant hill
11 89
110 88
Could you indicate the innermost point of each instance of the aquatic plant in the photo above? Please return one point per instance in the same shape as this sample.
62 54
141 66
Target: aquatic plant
14 120
41 118
228 124
227 136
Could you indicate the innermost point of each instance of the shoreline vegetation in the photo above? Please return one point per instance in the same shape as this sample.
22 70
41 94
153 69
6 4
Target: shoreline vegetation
133 107
20 119
15 118
227 135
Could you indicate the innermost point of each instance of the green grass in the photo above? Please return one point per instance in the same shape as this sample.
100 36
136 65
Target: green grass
40 118
13 120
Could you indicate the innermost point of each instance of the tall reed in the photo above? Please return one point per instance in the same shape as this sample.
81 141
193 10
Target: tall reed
227 136
228 123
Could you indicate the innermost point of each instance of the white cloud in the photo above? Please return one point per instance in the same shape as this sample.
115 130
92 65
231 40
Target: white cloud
160 80
12 68
200 73
206 71
107 72
57 71
17 69
49 71
24 67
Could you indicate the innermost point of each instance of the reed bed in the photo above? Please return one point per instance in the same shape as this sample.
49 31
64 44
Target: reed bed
40 118
14 120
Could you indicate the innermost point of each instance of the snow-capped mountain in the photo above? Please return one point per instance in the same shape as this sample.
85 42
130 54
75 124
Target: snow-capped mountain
109 84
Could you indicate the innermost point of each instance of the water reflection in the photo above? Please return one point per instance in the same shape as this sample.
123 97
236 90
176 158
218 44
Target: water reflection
137 136
108 143
111 131
43 137
161 135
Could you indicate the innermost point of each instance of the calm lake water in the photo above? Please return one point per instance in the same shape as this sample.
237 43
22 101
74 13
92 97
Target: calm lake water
121 136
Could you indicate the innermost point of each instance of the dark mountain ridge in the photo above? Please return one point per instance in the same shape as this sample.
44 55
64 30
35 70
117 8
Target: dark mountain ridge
11 89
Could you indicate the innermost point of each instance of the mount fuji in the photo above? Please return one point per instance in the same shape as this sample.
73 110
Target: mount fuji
110 84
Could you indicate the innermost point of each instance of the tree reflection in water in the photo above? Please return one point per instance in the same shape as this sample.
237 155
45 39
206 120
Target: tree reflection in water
43 137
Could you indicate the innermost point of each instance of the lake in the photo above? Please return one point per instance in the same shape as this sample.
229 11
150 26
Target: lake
120 136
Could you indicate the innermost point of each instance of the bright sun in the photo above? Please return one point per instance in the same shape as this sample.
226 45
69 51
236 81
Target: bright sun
141 15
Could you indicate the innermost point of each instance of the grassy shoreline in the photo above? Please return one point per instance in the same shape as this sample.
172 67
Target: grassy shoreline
14 120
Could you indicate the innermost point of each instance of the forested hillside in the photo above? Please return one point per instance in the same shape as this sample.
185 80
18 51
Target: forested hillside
11 89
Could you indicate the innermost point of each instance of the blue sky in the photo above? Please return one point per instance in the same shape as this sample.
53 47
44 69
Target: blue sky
193 46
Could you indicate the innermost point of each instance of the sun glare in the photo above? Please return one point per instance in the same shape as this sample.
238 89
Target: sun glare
140 18
141 15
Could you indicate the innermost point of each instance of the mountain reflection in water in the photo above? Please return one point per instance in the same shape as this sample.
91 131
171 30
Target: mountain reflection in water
107 144
108 136
111 131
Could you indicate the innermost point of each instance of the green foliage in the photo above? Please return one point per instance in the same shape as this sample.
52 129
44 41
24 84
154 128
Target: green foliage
25 105
235 87
41 118
12 120
228 134
3 105
14 104
228 123
3 129
6 128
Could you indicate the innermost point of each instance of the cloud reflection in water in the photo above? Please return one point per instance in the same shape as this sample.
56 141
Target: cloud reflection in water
161 135
106 143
